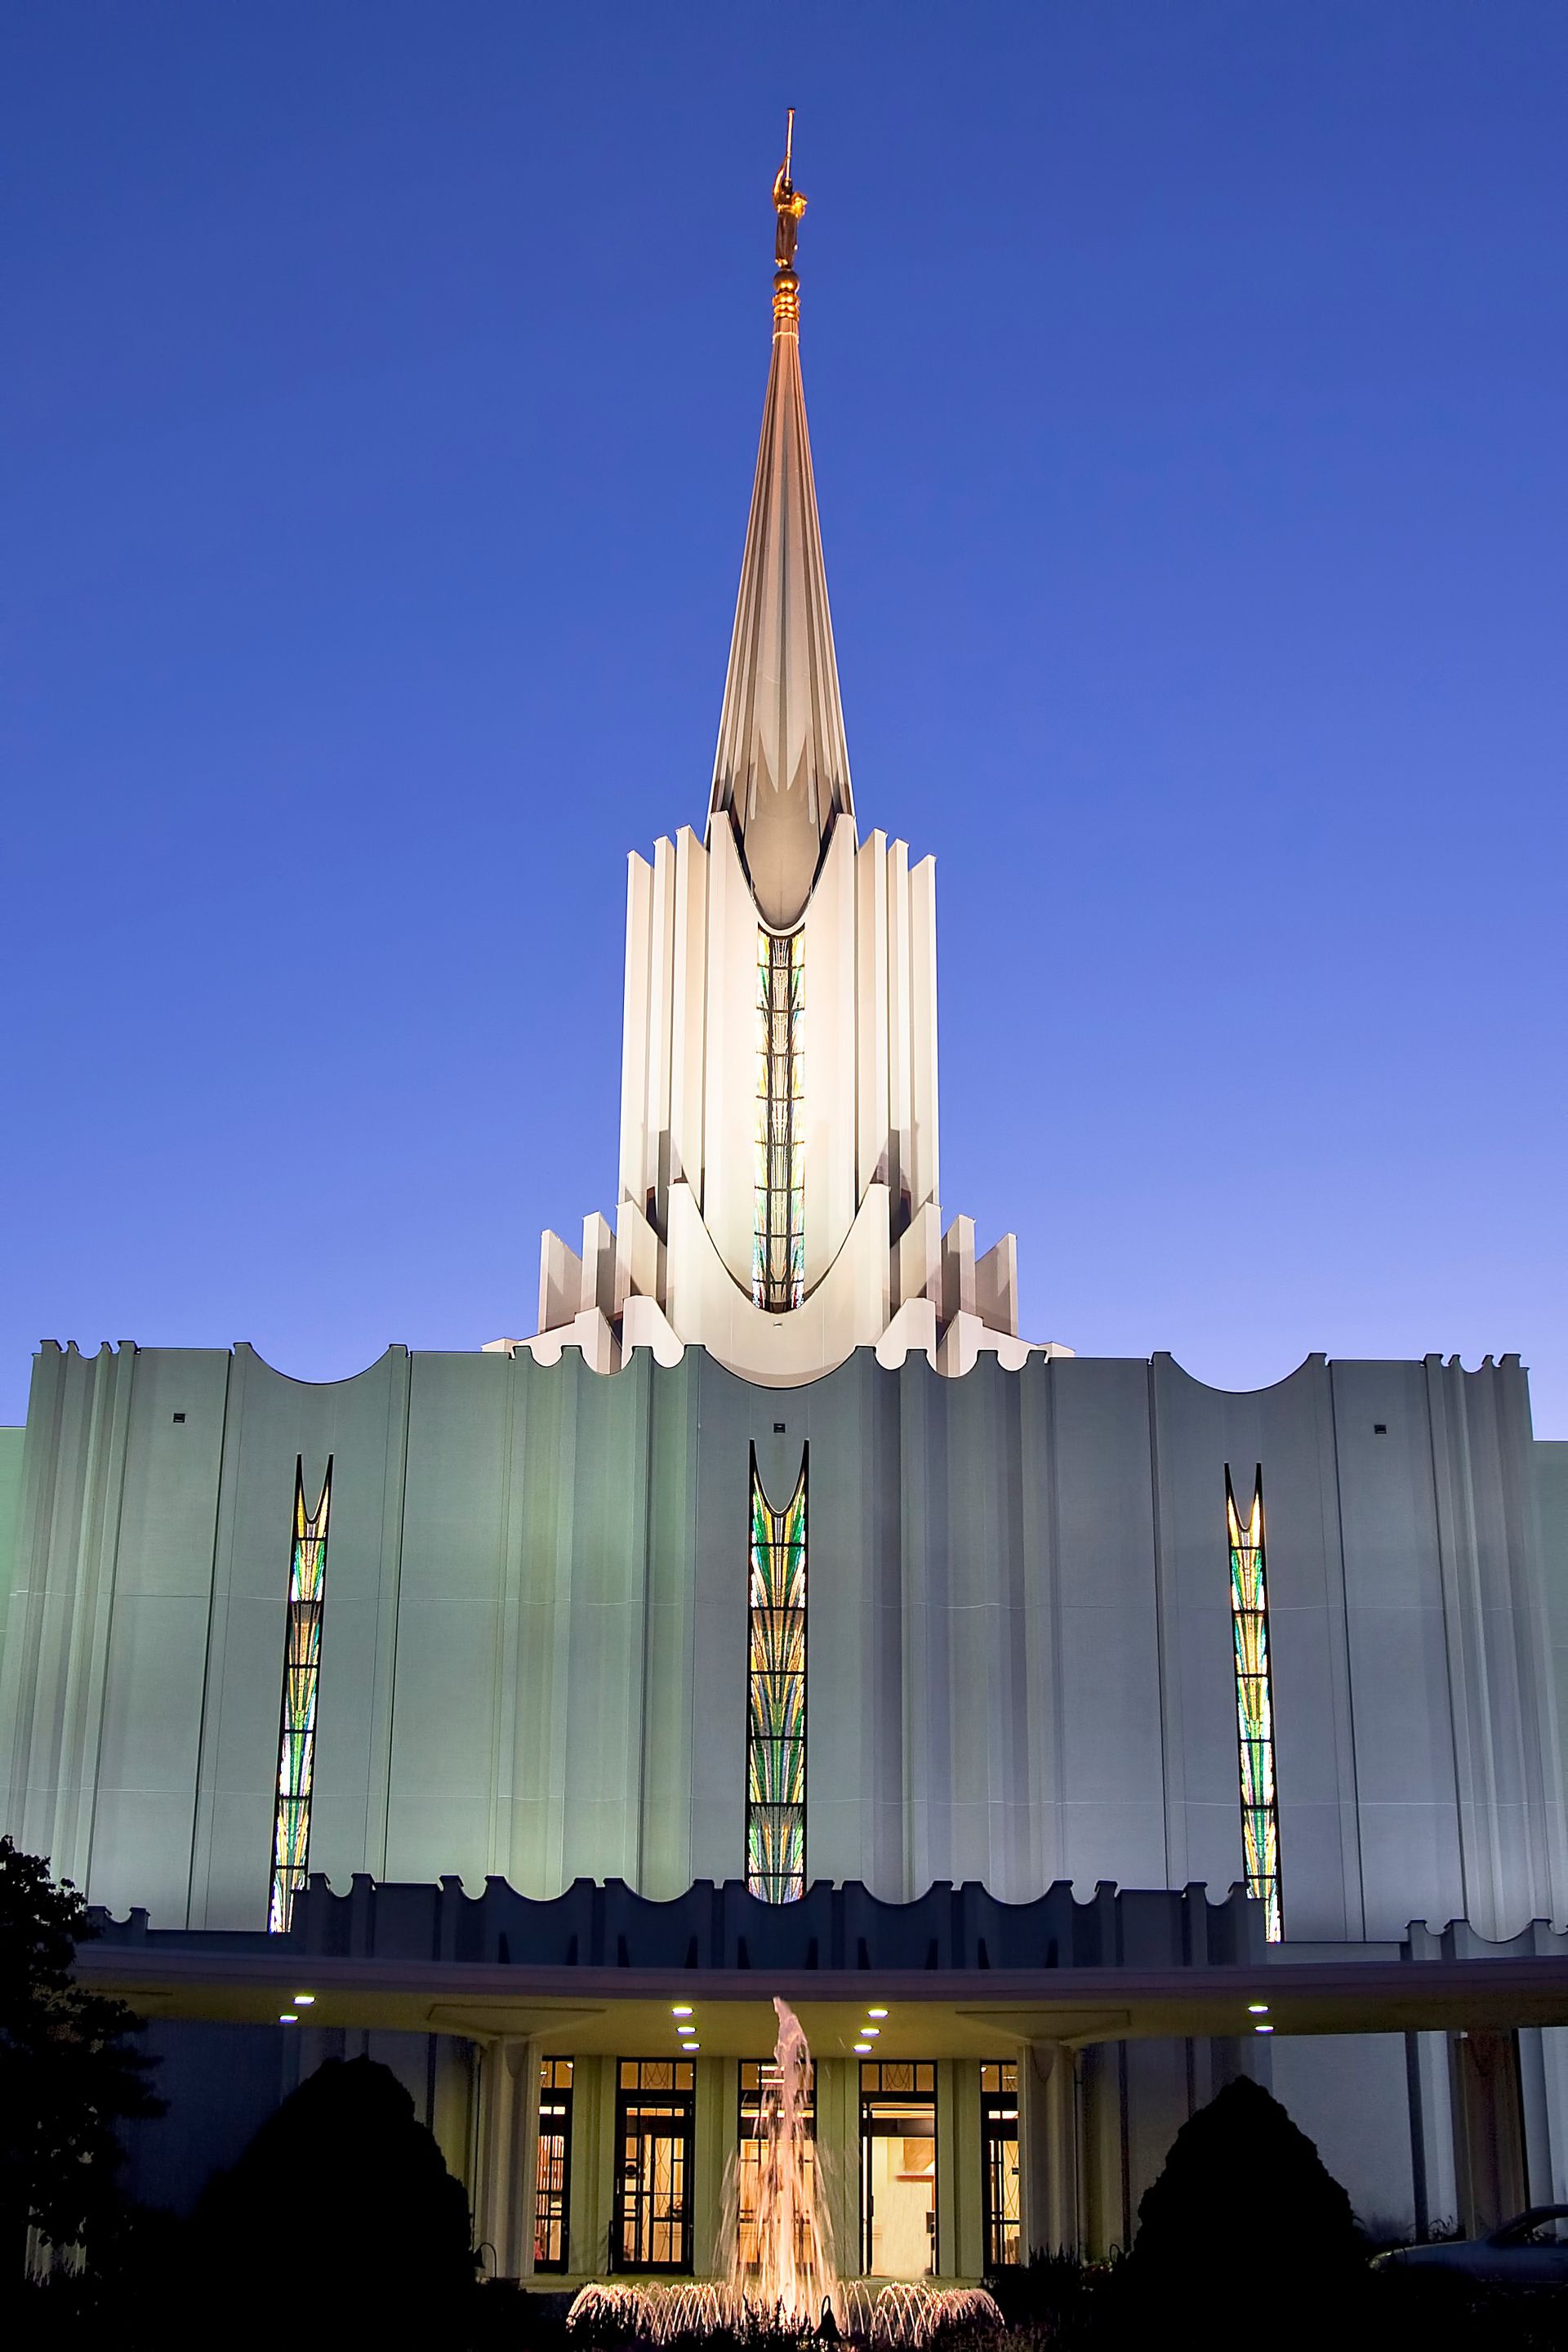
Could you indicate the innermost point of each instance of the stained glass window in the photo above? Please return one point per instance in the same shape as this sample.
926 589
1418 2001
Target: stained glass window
778 1244
775 1741
1255 1704
302 1674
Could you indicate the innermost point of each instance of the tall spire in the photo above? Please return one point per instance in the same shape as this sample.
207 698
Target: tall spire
782 769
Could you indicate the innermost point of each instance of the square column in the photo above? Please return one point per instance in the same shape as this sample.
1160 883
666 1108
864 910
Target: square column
1049 2148
504 2188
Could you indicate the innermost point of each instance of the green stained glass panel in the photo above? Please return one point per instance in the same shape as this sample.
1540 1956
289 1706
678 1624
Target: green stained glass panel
1255 1705
778 1247
775 1705
301 1684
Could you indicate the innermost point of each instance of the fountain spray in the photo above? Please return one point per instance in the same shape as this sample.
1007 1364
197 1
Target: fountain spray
793 2273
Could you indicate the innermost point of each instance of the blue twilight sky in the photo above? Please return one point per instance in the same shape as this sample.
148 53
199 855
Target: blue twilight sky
379 406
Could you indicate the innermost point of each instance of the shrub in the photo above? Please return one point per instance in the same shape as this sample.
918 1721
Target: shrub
1247 2216
341 2211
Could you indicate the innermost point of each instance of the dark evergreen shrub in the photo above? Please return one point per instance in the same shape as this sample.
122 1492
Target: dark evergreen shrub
1058 2298
340 2212
1245 2207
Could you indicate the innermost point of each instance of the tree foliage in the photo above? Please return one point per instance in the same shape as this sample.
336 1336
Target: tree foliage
68 2073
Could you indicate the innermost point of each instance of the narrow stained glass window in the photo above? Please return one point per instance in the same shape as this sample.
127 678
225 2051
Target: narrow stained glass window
778 1243
775 1714
1255 1704
302 1673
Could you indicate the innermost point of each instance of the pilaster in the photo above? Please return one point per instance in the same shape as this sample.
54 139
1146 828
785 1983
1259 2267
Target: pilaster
961 2253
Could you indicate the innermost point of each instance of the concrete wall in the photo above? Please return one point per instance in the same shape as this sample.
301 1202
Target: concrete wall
1350 2093
533 1660
1551 1506
12 1442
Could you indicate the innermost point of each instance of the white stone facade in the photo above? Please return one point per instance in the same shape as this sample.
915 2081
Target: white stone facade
676 1268
781 859
1019 1659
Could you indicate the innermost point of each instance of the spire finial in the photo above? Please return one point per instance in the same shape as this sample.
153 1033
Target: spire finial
789 204
781 771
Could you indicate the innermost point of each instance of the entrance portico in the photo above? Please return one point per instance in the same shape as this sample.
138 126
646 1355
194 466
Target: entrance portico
1103 2037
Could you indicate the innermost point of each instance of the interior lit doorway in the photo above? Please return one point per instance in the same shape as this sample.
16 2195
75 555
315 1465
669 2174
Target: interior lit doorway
897 2168
654 2113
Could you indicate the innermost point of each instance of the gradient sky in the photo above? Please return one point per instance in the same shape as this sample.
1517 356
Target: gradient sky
1186 385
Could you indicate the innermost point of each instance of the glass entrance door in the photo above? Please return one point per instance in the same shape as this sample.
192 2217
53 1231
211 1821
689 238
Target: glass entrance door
553 2178
999 2163
897 2168
654 2113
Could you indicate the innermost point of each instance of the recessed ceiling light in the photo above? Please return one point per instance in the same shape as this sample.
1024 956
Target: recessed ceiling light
304 2000
691 2045
288 2017
862 2045
1263 2029
872 2029
681 2009
1258 2009
875 2012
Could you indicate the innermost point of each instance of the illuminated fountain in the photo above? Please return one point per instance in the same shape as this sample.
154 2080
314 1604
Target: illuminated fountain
781 2267
792 2273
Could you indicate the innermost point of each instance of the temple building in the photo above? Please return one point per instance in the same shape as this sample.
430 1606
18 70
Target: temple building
1059 1735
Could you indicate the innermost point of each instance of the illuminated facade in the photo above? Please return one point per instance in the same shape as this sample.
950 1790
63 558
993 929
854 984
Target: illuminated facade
778 1618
